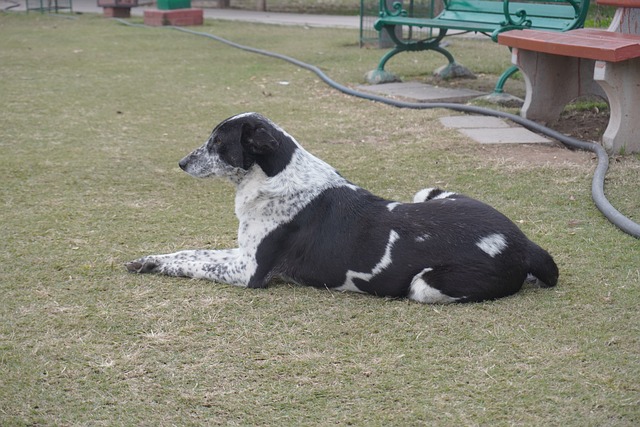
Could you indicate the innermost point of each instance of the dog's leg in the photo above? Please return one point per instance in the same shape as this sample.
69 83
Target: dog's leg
225 266
421 291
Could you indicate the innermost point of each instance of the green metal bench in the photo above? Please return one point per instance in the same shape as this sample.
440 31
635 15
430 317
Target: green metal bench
488 17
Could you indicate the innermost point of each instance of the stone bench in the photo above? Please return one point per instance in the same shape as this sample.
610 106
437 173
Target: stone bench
560 67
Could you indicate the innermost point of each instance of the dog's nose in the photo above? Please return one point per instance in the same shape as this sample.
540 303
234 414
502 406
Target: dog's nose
183 164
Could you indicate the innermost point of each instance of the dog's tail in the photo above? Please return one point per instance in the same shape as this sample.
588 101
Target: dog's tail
542 266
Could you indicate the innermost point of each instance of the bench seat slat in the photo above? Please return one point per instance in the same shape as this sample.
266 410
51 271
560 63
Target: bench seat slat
618 3
583 43
496 20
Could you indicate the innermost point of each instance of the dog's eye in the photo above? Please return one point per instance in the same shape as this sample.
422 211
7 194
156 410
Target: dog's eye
214 142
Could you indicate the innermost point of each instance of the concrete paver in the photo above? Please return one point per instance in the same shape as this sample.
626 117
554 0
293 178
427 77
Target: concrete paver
474 122
492 130
422 92
512 135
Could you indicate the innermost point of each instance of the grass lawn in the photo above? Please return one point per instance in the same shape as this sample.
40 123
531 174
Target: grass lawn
94 117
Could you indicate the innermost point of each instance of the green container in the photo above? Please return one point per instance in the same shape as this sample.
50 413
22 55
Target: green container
174 4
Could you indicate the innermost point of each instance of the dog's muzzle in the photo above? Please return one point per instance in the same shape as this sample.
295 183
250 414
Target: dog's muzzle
183 163
192 162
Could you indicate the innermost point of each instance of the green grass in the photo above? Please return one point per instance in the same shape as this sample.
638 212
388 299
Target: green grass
599 16
94 117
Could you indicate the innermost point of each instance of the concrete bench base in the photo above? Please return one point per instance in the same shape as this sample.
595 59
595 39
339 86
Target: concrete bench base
621 82
560 67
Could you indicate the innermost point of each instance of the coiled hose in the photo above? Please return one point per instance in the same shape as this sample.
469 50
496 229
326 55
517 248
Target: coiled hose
597 184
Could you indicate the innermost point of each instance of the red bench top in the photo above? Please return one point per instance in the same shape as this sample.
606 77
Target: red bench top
583 43
619 3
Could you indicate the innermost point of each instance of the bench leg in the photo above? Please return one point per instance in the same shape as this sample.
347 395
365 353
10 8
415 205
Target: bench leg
552 81
503 79
625 20
380 75
451 70
620 81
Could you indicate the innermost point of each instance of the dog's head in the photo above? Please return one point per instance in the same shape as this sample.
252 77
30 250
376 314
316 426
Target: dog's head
238 144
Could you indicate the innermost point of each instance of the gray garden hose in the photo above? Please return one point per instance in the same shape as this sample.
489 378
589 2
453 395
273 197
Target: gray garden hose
597 185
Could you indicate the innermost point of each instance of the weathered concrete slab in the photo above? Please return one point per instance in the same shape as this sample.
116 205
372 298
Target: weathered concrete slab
510 135
492 130
421 92
473 122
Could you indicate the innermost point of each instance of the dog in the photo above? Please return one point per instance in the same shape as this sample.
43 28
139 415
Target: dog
301 221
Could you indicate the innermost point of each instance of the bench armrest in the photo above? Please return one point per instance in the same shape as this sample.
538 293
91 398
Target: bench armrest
580 8
522 20
396 6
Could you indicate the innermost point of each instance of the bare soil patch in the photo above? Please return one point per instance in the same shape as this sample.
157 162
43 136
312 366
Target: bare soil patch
586 119
586 125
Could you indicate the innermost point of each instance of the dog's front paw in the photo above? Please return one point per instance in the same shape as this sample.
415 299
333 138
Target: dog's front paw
142 265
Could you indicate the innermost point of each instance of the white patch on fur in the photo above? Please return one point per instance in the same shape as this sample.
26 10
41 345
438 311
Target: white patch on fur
348 286
278 199
422 195
391 206
492 244
445 195
425 194
384 262
421 291
423 237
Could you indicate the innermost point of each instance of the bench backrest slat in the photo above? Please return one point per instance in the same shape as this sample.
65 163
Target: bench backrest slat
533 9
540 12
495 19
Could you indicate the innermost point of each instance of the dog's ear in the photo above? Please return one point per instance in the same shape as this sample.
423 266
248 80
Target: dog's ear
258 140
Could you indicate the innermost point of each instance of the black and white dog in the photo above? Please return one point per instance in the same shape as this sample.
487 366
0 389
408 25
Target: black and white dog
302 221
